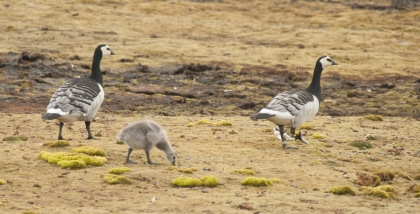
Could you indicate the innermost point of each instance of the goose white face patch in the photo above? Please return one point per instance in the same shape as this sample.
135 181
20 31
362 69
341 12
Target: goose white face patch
106 50
327 61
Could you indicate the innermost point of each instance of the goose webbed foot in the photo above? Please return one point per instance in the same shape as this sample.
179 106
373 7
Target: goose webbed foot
130 162
285 136
300 137
285 146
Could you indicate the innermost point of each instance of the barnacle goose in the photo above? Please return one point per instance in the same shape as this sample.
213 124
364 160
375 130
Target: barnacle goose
79 99
297 106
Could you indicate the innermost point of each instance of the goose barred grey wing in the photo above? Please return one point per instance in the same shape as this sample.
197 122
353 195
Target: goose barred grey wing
77 99
291 102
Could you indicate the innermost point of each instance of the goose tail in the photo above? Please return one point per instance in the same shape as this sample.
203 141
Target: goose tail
50 116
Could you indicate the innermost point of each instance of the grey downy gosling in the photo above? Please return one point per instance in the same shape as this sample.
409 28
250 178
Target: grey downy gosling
297 106
146 135
79 99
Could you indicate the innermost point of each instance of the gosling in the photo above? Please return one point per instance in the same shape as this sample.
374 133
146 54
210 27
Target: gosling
145 135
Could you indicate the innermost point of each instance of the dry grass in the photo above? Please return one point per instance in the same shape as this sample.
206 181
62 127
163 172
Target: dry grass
368 44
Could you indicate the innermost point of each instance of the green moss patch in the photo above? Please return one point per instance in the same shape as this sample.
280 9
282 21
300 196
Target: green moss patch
253 181
374 117
58 143
187 182
89 150
385 191
15 138
183 170
275 180
187 170
71 160
246 171
206 181
116 179
342 190
361 144
209 181
306 126
71 164
318 136
119 171
222 123
208 122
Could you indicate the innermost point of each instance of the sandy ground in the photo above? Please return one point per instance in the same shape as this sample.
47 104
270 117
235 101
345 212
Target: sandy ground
377 50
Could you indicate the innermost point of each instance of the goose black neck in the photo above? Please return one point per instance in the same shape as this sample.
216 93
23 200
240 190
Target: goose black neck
96 66
315 86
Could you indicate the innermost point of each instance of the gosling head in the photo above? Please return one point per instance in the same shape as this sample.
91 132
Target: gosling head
171 157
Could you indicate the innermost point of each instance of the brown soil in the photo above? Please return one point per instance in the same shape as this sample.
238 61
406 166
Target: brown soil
181 61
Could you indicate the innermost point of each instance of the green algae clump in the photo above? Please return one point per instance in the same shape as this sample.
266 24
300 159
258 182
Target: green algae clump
119 171
187 182
57 144
374 117
342 190
222 123
246 171
253 181
54 158
89 150
361 144
15 138
386 191
116 179
318 136
275 180
209 181
306 126
71 164
208 122
2 182
188 170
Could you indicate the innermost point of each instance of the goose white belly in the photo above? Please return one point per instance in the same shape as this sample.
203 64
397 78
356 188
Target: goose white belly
307 112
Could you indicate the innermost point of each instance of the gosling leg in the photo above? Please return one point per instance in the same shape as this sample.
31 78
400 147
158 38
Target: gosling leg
127 160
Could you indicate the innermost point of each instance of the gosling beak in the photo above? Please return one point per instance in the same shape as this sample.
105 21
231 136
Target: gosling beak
173 163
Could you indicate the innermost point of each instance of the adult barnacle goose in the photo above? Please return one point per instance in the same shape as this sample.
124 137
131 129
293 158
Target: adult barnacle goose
79 99
297 106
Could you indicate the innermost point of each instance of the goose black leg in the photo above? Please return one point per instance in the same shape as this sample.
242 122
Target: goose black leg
283 139
60 137
127 160
87 123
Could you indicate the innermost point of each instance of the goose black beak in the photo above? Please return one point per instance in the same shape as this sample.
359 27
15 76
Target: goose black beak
112 53
334 63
